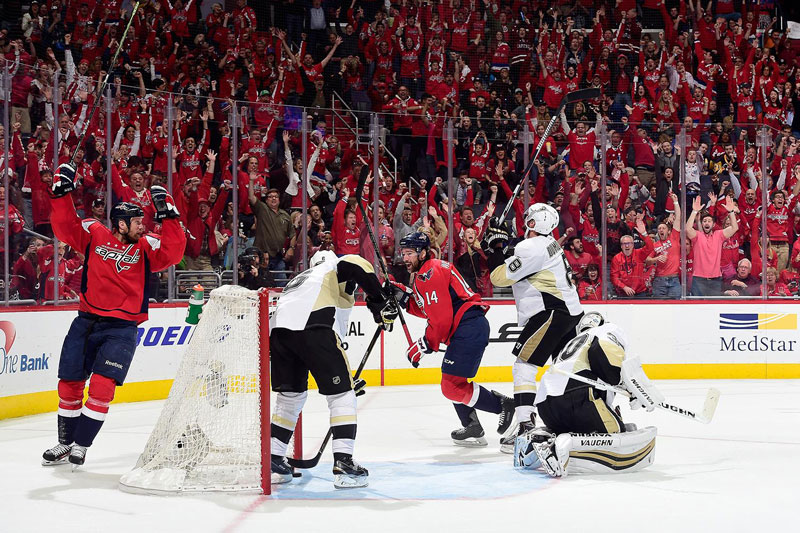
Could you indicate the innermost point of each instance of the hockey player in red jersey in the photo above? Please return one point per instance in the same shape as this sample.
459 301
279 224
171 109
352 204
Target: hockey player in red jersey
113 300
456 319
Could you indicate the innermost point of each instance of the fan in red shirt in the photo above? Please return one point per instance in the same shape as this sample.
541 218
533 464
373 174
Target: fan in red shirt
581 142
628 266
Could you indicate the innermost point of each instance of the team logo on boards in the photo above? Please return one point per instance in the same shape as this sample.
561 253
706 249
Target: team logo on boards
785 321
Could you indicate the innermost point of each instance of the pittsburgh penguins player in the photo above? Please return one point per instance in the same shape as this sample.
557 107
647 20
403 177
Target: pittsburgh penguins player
305 336
583 433
548 308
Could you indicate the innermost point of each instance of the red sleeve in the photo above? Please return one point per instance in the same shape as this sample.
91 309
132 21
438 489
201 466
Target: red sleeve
616 273
167 249
66 223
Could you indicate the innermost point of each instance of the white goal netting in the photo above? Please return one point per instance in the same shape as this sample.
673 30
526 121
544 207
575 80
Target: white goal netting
208 437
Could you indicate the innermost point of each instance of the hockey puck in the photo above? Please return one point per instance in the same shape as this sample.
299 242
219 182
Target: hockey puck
297 474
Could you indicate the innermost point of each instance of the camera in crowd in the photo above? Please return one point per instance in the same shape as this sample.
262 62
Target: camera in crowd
253 272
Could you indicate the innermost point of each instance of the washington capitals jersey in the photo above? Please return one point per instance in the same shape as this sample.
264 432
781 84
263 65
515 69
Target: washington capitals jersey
442 296
115 275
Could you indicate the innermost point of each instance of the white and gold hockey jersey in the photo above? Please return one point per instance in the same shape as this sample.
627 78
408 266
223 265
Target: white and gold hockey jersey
323 295
540 278
596 353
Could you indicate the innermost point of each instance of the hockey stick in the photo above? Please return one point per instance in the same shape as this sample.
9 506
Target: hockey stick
103 85
574 96
362 181
311 463
704 416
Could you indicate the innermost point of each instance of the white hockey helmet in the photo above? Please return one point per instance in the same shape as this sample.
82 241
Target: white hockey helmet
592 319
321 256
544 217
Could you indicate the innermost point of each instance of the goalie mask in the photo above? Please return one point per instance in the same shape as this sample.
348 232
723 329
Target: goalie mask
590 320
541 218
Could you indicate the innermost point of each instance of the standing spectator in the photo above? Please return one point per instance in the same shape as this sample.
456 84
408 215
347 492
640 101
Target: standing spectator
275 234
627 267
577 258
667 256
707 246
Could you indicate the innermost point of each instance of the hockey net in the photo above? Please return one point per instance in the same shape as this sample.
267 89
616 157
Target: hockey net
213 431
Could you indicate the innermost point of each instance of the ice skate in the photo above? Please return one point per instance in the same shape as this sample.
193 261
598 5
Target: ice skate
347 474
506 417
77 455
57 455
507 442
471 435
280 470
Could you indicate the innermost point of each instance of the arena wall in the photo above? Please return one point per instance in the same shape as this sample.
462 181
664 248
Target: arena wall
726 340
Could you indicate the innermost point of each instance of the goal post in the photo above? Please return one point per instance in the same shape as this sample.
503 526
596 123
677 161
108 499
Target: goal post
213 433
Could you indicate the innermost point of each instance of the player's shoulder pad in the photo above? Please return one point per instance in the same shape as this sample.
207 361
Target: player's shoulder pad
90 224
154 241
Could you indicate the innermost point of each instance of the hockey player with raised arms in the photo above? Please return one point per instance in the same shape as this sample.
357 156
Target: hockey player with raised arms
456 319
310 320
101 341
548 306
584 433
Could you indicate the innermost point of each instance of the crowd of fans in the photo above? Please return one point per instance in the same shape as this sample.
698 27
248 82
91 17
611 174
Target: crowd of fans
715 75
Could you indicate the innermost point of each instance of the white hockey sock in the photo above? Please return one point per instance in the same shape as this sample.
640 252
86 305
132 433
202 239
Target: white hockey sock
343 421
524 389
284 418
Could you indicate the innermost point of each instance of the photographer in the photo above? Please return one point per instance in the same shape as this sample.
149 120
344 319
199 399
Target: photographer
252 274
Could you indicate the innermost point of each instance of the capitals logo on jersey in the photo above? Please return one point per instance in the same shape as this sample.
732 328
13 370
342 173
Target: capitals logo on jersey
121 258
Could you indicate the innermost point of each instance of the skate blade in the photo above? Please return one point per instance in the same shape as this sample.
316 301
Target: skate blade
343 481
75 467
278 479
507 448
472 442
57 462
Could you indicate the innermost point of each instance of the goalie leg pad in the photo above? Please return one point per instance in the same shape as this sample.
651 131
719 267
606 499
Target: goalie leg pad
643 392
524 389
284 418
608 453
343 421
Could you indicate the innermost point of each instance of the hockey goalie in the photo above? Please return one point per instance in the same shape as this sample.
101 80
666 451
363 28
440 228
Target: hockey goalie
583 433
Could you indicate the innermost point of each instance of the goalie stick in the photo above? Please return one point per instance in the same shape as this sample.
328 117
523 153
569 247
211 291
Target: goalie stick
311 463
704 416
569 98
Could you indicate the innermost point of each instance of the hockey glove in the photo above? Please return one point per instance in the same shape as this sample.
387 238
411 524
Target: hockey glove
163 203
497 235
358 387
384 312
401 292
417 350
64 180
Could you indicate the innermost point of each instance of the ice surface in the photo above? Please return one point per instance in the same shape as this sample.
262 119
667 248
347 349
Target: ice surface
740 473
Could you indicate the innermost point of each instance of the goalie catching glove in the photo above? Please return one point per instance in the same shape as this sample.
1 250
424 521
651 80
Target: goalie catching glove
163 203
384 312
643 393
417 350
64 180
